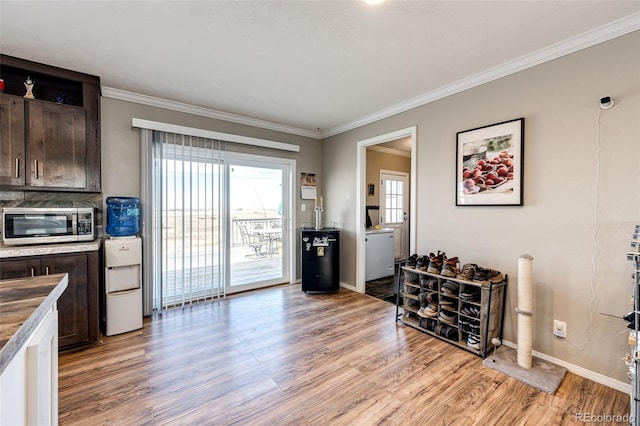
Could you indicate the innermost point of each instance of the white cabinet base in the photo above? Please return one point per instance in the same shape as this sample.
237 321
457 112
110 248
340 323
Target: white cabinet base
42 373
29 385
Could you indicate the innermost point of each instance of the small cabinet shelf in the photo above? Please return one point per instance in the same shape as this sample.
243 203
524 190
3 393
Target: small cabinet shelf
465 313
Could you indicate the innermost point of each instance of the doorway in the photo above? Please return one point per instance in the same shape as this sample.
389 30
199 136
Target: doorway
363 188
394 209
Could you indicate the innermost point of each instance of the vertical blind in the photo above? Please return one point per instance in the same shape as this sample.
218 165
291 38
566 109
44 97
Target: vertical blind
182 188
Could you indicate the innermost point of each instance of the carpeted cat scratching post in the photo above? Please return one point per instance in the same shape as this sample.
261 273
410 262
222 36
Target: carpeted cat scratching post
523 366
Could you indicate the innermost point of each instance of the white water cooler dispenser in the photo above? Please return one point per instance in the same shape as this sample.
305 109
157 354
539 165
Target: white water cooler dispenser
123 284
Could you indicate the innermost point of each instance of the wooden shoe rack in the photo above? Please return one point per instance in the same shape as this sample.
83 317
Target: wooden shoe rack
457 324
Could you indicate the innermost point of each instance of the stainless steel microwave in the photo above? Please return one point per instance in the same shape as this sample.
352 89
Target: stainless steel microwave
27 225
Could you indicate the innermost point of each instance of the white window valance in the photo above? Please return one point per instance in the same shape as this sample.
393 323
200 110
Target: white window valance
210 134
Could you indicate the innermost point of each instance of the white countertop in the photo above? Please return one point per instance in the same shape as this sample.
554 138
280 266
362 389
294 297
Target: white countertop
44 249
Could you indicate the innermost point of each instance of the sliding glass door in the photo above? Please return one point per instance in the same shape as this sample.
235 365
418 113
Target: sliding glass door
218 220
259 244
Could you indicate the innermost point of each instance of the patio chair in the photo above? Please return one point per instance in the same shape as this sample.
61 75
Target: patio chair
253 240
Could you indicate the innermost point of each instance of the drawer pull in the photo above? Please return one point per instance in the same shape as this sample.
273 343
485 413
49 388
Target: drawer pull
33 272
35 163
17 167
46 270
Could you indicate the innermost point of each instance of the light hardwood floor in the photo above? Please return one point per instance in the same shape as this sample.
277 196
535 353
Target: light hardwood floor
280 356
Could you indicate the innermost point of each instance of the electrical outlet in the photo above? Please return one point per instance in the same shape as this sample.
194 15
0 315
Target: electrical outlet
303 207
559 328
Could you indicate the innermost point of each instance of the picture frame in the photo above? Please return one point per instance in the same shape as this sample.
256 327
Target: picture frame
489 165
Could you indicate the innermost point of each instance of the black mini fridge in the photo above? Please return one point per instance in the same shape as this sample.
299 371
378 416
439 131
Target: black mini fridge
320 260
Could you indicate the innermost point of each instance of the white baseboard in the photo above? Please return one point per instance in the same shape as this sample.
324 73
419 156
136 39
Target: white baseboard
580 371
348 286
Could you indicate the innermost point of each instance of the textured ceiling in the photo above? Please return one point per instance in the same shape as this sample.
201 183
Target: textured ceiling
306 64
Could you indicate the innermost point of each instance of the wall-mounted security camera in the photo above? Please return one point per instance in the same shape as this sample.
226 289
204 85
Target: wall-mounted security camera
606 102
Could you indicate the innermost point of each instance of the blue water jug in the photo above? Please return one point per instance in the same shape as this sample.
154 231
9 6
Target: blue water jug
123 216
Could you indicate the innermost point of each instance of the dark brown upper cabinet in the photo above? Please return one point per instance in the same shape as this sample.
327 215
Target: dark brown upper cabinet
46 144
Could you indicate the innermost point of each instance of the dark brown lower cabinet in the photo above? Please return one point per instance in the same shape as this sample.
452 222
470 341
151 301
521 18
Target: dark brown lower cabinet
78 306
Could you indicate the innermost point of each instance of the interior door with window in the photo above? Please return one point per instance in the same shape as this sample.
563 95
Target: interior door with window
258 212
394 207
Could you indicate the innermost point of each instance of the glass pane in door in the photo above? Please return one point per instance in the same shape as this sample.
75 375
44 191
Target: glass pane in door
256 225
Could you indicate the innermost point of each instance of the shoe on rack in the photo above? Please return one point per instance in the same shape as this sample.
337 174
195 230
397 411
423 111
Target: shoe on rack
422 263
470 311
467 271
486 276
422 298
432 284
445 301
435 263
495 277
450 267
431 311
411 261
470 294
412 290
421 312
449 318
473 342
452 334
450 288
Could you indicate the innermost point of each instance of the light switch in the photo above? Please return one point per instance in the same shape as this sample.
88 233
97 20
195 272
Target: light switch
303 207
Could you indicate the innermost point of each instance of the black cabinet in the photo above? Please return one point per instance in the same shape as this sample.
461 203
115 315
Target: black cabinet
320 260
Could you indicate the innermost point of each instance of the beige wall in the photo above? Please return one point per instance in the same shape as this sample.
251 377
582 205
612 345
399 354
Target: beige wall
575 256
377 161
121 149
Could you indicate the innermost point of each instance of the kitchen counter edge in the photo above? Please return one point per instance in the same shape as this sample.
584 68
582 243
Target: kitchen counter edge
32 320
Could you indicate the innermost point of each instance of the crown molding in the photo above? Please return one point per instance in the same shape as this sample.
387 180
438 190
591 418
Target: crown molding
590 38
390 151
123 95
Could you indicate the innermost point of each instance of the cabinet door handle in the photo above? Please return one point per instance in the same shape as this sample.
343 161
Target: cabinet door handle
17 167
35 163
46 270
33 272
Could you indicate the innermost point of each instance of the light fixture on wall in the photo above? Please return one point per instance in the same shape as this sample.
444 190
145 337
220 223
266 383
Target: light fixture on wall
606 102
372 2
